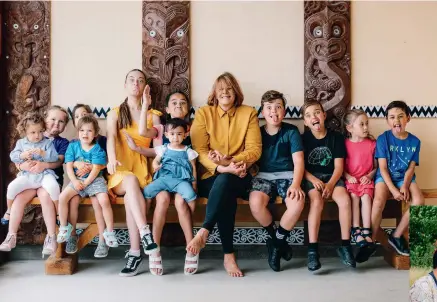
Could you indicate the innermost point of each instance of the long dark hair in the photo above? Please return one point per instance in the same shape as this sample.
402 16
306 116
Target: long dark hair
125 118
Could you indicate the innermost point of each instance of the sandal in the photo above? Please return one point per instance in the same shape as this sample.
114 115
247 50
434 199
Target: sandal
5 221
9 243
367 233
110 238
153 265
64 233
194 258
356 233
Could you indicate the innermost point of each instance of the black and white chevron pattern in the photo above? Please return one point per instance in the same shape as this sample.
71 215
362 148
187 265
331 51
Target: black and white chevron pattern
293 112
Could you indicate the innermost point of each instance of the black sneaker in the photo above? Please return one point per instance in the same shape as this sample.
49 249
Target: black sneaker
313 261
346 256
149 244
399 244
287 252
132 266
365 253
274 259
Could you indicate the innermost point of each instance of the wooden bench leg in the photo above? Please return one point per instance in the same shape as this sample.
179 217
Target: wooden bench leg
65 264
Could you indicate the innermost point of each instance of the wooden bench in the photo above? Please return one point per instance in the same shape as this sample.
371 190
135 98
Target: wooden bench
62 263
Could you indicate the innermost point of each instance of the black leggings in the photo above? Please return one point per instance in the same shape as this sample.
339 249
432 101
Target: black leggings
222 192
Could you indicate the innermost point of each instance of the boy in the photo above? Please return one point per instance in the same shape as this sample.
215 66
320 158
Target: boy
324 160
397 152
281 169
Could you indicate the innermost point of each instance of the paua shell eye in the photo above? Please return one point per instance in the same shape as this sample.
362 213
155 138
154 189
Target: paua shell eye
36 26
152 33
180 33
318 32
15 26
336 31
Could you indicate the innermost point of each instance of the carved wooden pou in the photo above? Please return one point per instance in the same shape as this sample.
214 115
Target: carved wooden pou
166 48
26 28
327 57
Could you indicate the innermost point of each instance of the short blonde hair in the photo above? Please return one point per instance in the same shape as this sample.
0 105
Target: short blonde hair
230 80
57 107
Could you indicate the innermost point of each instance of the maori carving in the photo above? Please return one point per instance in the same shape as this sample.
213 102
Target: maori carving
27 42
327 57
166 48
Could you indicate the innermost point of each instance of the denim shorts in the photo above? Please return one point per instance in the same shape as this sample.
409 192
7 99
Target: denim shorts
97 186
398 184
272 188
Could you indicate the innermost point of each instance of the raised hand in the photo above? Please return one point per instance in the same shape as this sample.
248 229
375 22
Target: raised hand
147 99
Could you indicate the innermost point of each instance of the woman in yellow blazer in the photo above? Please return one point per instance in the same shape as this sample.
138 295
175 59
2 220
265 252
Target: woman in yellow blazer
227 136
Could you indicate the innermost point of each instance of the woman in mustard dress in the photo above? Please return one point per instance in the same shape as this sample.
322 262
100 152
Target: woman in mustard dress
130 132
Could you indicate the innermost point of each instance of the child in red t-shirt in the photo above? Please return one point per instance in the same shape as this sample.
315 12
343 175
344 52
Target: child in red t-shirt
360 169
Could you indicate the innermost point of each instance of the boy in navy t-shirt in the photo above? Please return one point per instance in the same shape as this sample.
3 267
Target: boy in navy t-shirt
397 152
281 169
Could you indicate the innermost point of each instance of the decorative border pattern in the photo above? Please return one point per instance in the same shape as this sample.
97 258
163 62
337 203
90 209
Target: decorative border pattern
293 112
242 236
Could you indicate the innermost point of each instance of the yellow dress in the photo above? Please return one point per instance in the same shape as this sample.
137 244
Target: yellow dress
132 163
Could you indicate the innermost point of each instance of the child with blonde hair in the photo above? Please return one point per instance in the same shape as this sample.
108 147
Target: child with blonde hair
87 150
359 171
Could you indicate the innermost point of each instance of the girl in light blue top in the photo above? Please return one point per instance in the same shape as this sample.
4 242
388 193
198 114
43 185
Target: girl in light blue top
33 146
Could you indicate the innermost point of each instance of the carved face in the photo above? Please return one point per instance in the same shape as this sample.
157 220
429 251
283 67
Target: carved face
24 24
326 32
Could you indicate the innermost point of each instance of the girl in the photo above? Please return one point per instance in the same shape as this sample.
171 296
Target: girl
81 110
360 169
34 146
175 167
55 122
324 159
130 131
87 150
177 106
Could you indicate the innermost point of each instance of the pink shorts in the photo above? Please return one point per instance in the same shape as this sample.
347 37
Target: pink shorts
360 190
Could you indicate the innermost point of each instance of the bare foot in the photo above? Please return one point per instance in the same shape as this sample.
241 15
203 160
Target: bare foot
231 266
198 242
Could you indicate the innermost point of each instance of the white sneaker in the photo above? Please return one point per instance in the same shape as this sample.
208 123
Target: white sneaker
101 250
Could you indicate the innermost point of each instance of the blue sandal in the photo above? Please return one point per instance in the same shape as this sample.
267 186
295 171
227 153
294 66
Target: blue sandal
5 221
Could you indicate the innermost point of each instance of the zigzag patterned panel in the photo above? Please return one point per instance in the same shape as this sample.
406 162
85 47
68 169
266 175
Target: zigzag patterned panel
293 112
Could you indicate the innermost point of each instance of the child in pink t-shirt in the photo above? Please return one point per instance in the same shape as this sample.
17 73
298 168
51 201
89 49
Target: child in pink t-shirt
360 169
